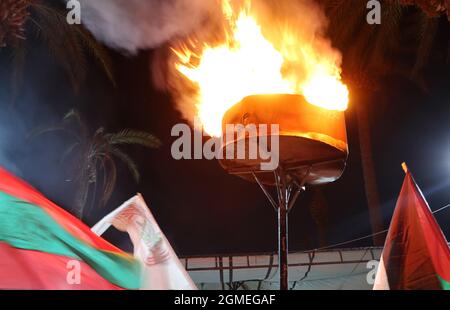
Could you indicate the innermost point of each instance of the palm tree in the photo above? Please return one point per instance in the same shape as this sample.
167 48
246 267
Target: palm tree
94 156
13 16
46 21
365 48
431 7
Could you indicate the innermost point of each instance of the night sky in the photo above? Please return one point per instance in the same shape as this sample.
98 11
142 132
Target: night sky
200 208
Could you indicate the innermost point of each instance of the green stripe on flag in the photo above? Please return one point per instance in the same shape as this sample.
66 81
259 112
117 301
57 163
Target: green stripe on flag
27 226
444 284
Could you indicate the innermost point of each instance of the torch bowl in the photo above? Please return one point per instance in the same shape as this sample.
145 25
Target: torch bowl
312 140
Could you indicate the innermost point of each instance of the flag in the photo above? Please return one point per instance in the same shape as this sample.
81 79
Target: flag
44 247
416 254
162 270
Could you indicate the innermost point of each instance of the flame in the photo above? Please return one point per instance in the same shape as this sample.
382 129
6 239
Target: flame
248 63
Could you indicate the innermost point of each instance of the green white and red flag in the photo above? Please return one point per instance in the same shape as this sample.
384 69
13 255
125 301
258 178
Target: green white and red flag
416 254
41 245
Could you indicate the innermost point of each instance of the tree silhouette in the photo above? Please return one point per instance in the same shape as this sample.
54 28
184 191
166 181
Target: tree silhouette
367 50
94 157
45 21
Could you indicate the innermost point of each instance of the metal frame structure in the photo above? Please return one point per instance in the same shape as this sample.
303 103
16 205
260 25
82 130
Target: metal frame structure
288 188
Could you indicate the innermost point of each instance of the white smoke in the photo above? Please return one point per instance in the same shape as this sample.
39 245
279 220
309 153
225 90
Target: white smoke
130 25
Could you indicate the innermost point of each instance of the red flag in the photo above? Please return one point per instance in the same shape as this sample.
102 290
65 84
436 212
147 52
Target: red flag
416 254
44 247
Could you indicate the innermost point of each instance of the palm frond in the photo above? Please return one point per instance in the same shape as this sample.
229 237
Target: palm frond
74 115
99 142
69 151
62 41
49 129
97 50
77 40
82 190
128 161
99 136
96 164
111 178
129 136
68 43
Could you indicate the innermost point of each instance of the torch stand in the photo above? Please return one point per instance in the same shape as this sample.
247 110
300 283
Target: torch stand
288 190
312 149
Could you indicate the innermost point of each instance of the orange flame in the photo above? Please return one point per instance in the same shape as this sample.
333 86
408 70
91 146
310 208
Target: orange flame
248 63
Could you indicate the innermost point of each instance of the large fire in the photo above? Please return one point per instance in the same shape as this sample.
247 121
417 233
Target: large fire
248 63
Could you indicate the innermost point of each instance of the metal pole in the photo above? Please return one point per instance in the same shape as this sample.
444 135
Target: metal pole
282 190
285 203
283 245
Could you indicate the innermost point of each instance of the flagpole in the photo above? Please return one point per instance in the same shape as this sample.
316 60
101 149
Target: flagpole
405 167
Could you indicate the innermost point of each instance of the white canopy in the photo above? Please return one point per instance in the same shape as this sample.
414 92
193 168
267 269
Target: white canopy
348 269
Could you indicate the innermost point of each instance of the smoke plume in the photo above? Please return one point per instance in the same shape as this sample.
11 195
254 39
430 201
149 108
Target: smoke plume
130 25
296 28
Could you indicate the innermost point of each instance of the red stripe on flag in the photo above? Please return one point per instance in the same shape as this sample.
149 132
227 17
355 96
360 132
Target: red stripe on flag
20 189
415 254
436 242
25 269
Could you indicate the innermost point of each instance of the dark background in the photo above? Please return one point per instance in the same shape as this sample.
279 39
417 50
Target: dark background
200 208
